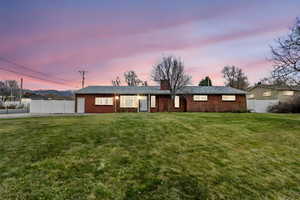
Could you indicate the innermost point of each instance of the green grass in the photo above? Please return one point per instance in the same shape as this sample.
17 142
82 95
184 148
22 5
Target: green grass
151 156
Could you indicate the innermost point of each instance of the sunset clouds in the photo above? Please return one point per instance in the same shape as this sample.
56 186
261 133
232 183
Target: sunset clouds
57 38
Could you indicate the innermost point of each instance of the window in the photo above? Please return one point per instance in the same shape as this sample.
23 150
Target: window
251 96
200 97
288 93
153 101
129 101
228 97
103 101
177 102
267 93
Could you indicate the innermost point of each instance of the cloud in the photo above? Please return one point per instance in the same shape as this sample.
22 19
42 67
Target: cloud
63 41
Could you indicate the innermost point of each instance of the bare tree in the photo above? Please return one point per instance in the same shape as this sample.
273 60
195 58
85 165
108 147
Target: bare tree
172 70
286 56
116 82
273 81
235 77
132 79
3 89
9 88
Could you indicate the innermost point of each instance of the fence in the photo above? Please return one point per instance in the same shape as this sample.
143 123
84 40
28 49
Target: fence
260 106
11 103
52 106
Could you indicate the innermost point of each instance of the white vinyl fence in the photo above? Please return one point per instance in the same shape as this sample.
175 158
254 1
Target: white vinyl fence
52 106
260 106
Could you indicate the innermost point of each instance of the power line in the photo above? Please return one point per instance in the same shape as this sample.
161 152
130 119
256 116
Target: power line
27 68
82 73
34 77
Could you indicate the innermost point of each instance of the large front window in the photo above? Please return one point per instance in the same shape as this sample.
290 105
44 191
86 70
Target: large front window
129 101
103 101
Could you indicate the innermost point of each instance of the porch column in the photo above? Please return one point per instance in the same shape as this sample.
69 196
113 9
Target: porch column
116 98
148 102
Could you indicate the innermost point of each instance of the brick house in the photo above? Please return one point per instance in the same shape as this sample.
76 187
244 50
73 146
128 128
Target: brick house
109 99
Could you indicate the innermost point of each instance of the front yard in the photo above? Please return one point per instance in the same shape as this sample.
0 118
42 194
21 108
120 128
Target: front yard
151 156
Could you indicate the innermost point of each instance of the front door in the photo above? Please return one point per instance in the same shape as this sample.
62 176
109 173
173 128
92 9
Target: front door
143 104
80 105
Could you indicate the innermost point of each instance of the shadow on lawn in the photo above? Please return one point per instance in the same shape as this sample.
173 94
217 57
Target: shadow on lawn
169 185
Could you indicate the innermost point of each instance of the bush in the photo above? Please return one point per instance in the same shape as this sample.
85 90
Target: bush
292 106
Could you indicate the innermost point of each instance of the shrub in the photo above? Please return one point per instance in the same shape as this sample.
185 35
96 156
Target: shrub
292 106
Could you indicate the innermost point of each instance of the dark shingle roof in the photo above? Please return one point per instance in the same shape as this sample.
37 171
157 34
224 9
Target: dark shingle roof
156 90
212 90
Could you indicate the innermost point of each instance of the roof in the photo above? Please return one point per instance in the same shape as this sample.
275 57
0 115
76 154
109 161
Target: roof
157 90
276 87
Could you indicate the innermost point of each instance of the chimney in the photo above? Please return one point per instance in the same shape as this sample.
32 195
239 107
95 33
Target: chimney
164 85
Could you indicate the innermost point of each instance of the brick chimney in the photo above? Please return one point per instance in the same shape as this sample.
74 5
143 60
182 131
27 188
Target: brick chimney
164 85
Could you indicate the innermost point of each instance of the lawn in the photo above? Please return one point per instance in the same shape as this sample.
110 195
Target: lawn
147 156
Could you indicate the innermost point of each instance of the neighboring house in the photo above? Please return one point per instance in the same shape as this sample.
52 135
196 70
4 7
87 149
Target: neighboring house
261 97
272 92
108 99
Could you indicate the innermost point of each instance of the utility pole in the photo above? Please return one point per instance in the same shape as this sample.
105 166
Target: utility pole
21 90
82 73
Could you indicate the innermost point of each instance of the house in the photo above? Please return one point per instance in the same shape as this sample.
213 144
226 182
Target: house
261 97
273 92
108 99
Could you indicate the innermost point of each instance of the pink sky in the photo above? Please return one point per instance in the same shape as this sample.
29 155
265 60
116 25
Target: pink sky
49 42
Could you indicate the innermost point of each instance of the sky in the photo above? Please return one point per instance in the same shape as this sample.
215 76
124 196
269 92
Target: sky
47 42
